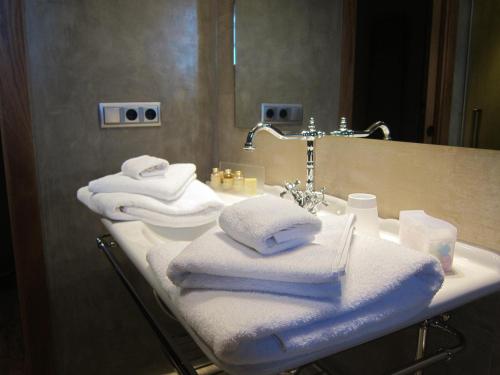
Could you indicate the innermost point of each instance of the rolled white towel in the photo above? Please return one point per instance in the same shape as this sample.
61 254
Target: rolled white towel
144 166
169 187
269 224
199 205
215 261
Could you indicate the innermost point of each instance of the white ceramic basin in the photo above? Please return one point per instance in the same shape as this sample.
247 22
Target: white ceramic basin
476 271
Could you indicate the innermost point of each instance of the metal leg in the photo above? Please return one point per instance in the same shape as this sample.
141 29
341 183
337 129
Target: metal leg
442 354
422 339
182 366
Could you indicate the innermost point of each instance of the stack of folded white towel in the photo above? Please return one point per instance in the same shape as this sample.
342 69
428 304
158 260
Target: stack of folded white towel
265 244
154 191
275 284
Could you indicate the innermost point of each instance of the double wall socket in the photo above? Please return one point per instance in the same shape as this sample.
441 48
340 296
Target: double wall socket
284 114
134 114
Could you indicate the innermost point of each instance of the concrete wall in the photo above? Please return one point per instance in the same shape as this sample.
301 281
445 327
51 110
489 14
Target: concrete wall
288 51
81 53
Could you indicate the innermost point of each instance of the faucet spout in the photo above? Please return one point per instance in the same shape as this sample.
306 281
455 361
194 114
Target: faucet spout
343 131
382 126
263 126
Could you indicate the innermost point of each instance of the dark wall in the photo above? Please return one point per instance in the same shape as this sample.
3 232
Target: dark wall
392 43
6 256
81 53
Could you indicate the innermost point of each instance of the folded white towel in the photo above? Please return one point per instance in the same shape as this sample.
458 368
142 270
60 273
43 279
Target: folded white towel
169 187
384 282
144 166
215 261
269 224
199 205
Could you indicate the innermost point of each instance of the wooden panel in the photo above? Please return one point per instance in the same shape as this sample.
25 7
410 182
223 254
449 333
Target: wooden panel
440 73
20 173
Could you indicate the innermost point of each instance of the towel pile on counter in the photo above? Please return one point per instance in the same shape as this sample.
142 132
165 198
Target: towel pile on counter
275 284
266 245
154 191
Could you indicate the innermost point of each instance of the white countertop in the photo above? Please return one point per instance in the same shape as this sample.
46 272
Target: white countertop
476 271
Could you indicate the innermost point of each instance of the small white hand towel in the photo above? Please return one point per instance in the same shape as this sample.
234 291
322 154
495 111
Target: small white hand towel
215 261
169 187
269 224
199 205
384 284
144 166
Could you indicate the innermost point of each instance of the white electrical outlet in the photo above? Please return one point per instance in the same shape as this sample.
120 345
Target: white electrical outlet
130 115
127 115
284 114
151 114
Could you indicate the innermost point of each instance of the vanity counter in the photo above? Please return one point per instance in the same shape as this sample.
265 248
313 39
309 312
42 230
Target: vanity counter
476 273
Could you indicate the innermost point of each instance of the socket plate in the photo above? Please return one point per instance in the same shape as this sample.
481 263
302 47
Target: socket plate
284 114
114 115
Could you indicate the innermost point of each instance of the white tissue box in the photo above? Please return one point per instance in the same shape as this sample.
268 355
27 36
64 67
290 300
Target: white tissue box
419 231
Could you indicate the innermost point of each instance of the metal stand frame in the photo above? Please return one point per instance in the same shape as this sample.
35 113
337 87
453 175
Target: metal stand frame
183 367
441 354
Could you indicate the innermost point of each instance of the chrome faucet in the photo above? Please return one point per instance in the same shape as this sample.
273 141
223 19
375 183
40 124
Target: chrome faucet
310 198
343 130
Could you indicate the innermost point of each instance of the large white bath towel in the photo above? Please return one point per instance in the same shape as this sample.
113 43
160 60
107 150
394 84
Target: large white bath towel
144 166
199 205
169 187
384 282
215 261
269 224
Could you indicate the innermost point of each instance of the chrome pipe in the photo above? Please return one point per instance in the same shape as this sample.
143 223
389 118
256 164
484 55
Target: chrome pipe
442 354
310 166
263 126
421 343
344 132
379 125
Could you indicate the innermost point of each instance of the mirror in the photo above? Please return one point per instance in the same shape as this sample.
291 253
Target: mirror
429 68
281 57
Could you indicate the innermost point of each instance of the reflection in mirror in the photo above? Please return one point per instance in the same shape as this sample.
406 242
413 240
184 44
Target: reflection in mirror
287 52
429 68
482 110
391 55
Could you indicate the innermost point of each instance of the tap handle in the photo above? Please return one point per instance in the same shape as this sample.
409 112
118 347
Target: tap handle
291 185
311 126
343 124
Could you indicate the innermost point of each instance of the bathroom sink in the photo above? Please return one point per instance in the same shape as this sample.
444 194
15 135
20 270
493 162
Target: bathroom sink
476 271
